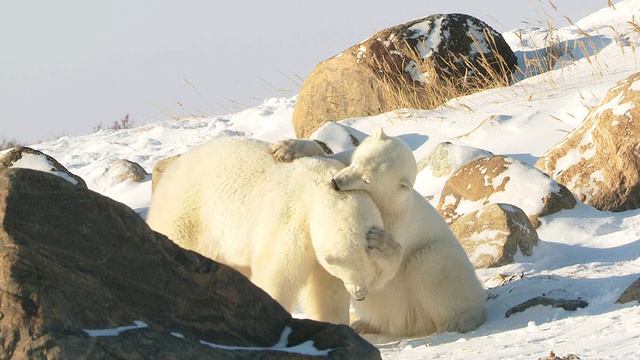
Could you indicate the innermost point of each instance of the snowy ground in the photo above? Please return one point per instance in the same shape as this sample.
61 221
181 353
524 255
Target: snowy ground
583 253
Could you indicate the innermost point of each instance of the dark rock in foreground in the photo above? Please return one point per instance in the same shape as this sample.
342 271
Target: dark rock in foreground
72 260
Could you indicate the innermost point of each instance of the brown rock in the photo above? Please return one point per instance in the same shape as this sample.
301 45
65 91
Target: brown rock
632 293
500 179
436 168
159 168
491 236
418 64
599 161
72 260
41 160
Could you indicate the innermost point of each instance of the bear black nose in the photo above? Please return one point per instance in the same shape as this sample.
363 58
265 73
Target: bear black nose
334 185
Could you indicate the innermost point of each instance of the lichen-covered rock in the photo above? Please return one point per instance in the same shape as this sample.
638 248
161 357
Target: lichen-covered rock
599 161
404 66
491 236
501 179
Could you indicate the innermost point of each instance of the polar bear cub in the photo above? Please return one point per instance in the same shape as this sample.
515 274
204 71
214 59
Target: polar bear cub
435 288
282 225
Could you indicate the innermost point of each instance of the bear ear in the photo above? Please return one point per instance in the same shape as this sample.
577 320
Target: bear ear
379 134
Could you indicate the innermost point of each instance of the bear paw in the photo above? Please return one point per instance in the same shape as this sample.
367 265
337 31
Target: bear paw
289 150
381 240
363 327
467 322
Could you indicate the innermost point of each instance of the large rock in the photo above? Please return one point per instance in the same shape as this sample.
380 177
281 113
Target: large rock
492 235
28 158
501 179
599 161
82 276
418 64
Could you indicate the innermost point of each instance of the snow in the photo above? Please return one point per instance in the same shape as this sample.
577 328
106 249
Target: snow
430 35
40 163
583 253
306 348
116 331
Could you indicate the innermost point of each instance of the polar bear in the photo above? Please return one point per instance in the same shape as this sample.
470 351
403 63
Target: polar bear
435 289
284 227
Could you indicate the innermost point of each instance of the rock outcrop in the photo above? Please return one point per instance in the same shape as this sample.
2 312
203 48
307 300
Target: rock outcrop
82 276
501 179
418 64
492 235
599 161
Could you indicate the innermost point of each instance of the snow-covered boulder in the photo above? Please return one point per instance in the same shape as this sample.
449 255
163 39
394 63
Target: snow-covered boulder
28 158
435 168
402 67
492 235
501 179
334 137
599 161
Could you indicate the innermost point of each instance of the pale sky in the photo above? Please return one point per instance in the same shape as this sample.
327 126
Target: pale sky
68 65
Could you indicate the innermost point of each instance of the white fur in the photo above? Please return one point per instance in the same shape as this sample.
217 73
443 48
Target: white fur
435 289
283 225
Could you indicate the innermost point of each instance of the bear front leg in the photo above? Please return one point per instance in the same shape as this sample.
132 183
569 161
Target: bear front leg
289 150
324 298
385 252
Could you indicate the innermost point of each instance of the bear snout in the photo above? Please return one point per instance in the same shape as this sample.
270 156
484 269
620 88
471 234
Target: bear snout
357 292
334 185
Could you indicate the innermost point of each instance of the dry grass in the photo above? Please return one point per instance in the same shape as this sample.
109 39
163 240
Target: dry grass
8 143
124 123
399 88
412 81
176 110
